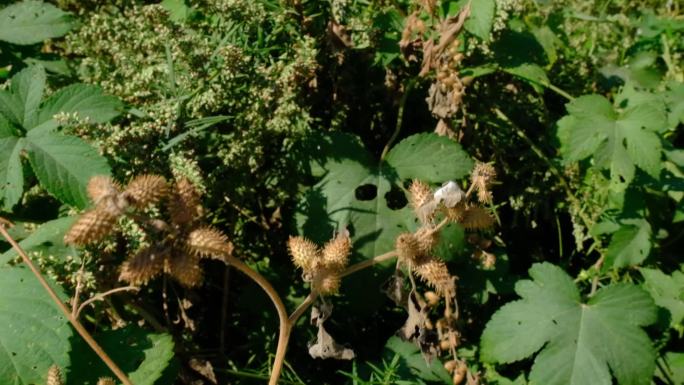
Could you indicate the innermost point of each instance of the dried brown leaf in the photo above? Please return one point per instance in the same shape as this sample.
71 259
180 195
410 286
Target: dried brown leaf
325 346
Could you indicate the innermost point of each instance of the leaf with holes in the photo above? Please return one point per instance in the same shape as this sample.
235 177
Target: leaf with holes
31 21
579 343
367 198
34 333
618 138
145 357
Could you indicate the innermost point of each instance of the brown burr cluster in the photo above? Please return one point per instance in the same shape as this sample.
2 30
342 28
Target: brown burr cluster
178 240
321 266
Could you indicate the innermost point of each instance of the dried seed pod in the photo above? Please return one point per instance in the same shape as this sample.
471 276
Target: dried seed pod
449 341
184 206
477 218
407 248
184 268
432 298
457 213
426 238
54 376
420 194
304 253
482 177
105 381
326 283
451 366
436 274
489 260
91 227
143 266
459 373
101 187
336 251
145 190
208 242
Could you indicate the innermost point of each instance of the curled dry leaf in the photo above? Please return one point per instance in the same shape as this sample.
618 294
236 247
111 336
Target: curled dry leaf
204 368
325 346
416 329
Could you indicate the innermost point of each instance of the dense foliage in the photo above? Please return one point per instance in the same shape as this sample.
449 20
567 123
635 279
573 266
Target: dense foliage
465 192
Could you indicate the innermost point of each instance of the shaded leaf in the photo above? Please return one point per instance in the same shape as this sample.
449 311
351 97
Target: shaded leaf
145 357
667 291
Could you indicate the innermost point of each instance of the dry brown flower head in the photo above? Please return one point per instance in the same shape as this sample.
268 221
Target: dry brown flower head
54 376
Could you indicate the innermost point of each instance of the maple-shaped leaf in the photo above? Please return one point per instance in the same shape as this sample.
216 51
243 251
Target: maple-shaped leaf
619 137
578 343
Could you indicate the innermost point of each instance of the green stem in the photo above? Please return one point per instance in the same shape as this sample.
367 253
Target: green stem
400 118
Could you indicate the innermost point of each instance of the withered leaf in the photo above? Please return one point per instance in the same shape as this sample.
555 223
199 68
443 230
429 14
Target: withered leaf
415 328
325 346
394 288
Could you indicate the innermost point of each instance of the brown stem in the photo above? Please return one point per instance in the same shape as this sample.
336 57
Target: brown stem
74 322
368 263
77 291
284 334
302 308
101 296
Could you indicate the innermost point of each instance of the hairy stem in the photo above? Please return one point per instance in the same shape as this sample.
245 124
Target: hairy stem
400 118
368 263
73 320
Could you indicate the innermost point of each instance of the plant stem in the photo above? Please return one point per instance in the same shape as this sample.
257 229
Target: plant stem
368 263
400 118
101 296
74 321
284 334
302 308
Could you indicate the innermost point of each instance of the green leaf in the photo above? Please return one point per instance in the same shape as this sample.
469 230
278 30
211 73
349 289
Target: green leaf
481 18
64 164
578 343
11 178
27 88
671 368
34 333
629 246
32 21
144 356
619 139
368 199
48 238
667 291
84 100
11 173
178 9
413 360
532 73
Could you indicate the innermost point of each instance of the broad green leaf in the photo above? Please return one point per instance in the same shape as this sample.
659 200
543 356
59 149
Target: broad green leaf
48 237
531 73
479 23
620 139
178 9
413 360
11 108
144 356
27 87
578 343
32 21
34 333
630 245
84 100
64 164
368 199
667 291
674 98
